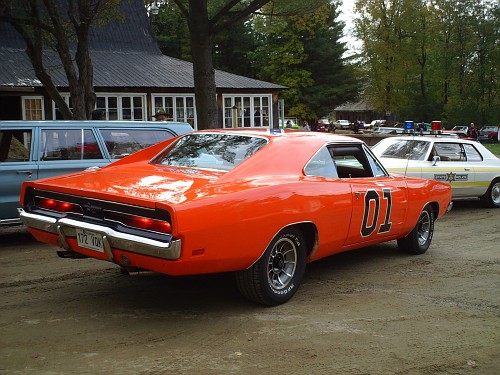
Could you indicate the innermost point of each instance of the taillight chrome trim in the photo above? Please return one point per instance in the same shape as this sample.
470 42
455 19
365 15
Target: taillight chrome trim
65 227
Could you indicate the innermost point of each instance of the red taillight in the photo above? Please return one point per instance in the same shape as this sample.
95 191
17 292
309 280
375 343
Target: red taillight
55 205
150 224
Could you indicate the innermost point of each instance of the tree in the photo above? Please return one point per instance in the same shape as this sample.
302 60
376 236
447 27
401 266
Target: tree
432 59
205 22
303 52
62 27
203 26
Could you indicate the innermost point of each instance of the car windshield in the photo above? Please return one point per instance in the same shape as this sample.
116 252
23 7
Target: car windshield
211 151
402 149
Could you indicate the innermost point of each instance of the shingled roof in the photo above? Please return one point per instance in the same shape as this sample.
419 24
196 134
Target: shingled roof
124 54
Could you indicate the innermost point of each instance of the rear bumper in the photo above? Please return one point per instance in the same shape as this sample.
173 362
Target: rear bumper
64 228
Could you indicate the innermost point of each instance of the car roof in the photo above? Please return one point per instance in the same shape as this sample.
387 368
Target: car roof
435 138
320 137
68 124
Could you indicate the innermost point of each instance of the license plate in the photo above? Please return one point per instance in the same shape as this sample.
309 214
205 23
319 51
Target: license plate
89 240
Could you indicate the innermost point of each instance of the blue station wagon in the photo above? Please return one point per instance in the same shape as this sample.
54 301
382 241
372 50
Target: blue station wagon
31 150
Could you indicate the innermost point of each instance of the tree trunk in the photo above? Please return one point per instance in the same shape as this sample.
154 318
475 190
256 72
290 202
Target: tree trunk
203 68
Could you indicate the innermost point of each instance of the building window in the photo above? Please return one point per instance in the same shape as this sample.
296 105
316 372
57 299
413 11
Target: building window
178 107
115 107
33 108
247 111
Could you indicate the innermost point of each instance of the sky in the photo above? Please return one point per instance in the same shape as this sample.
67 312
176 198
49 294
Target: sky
347 15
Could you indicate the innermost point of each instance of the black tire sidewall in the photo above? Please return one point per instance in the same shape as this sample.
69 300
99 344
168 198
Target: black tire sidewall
487 198
273 295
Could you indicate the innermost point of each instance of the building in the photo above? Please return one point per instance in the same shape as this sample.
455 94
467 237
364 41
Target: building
132 79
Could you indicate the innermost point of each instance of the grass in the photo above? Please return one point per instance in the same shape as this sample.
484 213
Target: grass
493 147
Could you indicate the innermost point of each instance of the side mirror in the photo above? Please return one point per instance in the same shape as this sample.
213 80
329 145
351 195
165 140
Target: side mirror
435 159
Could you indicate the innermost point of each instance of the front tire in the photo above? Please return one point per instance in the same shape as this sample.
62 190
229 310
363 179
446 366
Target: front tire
276 276
419 239
492 196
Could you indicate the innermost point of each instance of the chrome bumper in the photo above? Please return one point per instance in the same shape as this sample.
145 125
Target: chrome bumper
64 228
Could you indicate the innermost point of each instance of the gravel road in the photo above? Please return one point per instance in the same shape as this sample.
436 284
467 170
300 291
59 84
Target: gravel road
371 311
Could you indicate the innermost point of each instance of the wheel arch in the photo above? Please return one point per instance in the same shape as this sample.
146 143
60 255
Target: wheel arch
435 208
310 233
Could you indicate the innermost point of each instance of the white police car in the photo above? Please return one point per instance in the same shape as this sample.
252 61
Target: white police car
471 169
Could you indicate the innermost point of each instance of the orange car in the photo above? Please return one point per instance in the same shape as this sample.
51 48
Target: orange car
262 203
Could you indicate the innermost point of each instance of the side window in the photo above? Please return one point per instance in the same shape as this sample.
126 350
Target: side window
321 165
123 142
472 153
351 161
449 151
78 144
15 145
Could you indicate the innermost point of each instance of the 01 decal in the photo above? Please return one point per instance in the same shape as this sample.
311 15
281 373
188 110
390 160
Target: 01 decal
373 196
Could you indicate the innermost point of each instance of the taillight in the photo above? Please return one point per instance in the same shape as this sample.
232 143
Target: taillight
149 224
56 205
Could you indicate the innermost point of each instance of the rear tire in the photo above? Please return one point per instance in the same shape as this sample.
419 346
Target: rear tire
419 239
492 196
276 276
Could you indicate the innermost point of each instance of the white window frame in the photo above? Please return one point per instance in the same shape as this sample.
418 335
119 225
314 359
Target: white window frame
118 97
235 116
26 108
187 114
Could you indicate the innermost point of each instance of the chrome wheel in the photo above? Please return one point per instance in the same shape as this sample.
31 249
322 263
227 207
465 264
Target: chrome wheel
276 276
495 193
492 196
420 238
282 264
424 228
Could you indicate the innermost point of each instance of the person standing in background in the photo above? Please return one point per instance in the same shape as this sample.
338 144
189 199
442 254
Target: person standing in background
473 132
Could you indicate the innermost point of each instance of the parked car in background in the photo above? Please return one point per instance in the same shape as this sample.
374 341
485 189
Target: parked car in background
30 150
235 201
462 129
342 124
489 134
376 124
388 130
323 125
471 169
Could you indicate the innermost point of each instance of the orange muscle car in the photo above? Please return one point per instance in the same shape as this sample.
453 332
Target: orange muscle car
262 203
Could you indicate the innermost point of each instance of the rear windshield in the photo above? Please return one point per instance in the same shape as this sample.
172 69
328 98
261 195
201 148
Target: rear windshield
402 149
211 151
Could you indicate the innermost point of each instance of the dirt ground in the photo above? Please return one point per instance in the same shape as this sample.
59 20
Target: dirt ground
371 311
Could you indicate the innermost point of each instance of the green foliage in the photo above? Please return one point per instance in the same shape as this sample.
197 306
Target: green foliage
303 52
287 42
432 60
494 148
171 32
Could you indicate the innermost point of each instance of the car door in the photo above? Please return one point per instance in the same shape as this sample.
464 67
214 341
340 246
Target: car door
16 166
63 151
379 207
379 201
484 172
452 167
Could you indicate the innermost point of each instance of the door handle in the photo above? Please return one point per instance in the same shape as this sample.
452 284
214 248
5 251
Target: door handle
467 169
29 173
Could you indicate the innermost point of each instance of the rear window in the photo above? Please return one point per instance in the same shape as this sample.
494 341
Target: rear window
15 145
73 144
211 151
